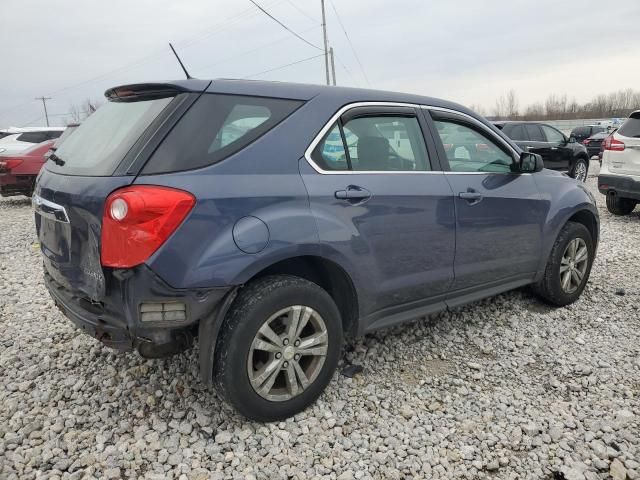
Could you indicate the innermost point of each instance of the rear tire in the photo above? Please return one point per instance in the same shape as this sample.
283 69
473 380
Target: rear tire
619 205
266 368
580 170
552 288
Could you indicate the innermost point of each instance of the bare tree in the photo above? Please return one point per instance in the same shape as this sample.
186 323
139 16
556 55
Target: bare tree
511 105
78 113
479 109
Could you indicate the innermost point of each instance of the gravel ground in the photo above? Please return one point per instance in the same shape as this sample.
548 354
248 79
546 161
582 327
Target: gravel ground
505 388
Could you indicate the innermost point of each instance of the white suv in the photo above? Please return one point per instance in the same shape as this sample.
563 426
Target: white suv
15 140
619 177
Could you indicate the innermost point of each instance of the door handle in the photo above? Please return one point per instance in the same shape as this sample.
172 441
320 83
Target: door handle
471 197
353 192
554 148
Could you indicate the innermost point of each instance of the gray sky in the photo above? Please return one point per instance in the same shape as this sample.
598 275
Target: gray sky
470 51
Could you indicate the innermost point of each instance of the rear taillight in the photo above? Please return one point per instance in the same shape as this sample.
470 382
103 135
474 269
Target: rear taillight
137 220
9 164
611 143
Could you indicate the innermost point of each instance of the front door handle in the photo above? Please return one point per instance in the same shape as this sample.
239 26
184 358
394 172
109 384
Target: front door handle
471 197
354 193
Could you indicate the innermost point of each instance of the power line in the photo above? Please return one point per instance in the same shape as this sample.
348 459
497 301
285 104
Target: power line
284 66
185 43
302 11
355 54
253 50
284 26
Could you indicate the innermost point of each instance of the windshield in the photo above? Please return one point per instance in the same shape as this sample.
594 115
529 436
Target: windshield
98 146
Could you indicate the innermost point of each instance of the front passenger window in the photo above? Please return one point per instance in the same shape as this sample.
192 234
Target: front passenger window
468 150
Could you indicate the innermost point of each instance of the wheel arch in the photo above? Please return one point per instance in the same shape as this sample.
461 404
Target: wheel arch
326 273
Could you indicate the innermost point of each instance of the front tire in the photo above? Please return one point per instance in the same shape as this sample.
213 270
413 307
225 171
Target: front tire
278 348
568 267
580 170
620 206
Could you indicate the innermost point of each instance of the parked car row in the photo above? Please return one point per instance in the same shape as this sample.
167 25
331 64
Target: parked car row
18 170
16 140
557 151
271 220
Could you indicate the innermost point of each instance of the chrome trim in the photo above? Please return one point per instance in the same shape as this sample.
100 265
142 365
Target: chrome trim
49 209
345 108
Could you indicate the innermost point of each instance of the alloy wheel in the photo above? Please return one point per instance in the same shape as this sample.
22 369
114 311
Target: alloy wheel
580 172
573 265
287 353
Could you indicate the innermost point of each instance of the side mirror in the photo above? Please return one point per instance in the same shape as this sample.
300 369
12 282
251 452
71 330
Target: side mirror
530 162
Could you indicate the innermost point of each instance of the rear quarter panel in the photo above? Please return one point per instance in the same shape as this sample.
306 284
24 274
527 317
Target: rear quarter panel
261 181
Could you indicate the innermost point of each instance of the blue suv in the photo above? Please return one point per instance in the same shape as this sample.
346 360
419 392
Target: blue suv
271 221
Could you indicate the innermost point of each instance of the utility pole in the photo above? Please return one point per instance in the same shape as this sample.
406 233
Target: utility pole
44 104
333 66
326 46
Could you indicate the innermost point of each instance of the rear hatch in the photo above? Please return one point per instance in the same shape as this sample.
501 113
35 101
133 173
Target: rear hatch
627 161
105 153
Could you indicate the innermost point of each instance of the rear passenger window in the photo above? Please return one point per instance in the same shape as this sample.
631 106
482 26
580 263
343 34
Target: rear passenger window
215 127
374 144
385 144
518 133
534 133
553 135
468 150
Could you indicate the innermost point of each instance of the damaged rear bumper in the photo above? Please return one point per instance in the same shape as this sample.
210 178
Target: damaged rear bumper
130 316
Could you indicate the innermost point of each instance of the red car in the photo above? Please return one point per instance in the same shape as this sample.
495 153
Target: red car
18 172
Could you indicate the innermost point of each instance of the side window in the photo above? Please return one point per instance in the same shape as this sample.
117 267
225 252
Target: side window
330 153
468 150
214 128
553 135
240 120
518 133
33 137
386 143
534 133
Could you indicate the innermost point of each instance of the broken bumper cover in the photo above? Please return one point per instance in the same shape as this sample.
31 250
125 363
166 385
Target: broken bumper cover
116 319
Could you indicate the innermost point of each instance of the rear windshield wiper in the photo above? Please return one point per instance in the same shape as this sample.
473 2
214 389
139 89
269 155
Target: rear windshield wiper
56 159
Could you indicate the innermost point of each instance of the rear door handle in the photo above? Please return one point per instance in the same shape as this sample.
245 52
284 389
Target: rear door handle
353 193
471 197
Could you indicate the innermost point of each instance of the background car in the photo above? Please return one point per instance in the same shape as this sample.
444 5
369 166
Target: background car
20 141
619 177
594 142
18 171
585 131
557 151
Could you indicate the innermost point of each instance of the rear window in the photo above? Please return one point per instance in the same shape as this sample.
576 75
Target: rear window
100 143
67 131
215 127
581 131
33 137
631 126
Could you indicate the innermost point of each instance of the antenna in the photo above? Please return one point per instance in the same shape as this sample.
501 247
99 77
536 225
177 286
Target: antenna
180 62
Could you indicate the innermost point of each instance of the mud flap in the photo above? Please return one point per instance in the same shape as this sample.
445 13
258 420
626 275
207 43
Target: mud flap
208 335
